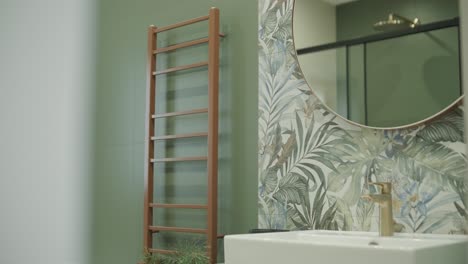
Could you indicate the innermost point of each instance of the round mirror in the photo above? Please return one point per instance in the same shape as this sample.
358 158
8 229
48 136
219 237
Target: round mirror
380 63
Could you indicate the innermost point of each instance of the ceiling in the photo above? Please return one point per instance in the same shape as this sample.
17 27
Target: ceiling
337 2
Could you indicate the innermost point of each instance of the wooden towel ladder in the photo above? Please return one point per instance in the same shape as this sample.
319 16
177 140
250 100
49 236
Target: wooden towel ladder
212 63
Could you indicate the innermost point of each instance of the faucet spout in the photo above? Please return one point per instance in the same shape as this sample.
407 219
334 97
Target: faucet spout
381 199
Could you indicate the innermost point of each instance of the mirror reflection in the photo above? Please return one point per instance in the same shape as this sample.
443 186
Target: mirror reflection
380 63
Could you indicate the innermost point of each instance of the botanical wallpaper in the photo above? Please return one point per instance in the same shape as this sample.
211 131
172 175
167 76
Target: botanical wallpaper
313 165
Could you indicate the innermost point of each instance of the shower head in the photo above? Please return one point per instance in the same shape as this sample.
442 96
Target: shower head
396 22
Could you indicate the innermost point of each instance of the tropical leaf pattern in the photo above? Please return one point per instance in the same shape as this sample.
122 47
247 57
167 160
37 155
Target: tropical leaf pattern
313 166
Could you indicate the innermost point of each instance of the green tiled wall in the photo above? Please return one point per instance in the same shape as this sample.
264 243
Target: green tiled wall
121 90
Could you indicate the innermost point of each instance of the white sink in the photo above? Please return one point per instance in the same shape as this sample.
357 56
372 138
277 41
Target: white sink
333 247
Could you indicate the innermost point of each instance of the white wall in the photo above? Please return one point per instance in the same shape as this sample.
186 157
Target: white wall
314 23
46 125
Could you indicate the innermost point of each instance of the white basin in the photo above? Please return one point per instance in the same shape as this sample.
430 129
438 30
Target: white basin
333 247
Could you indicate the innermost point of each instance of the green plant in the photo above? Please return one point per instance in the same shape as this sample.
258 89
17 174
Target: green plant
187 252
148 258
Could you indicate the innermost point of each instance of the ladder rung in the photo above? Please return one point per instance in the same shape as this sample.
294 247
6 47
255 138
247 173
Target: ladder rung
180 159
181 68
181 113
181 45
161 251
183 206
203 134
183 23
185 44
177 229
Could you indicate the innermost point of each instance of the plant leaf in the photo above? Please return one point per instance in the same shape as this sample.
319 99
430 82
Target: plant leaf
365 210
291 188
437 163
448 128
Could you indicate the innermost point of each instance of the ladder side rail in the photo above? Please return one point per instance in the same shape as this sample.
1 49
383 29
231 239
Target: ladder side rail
149 146
213 86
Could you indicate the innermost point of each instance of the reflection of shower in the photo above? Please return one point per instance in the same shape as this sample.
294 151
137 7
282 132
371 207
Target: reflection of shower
395 22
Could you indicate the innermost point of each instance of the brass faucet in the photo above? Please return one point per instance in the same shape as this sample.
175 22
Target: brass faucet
384 199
